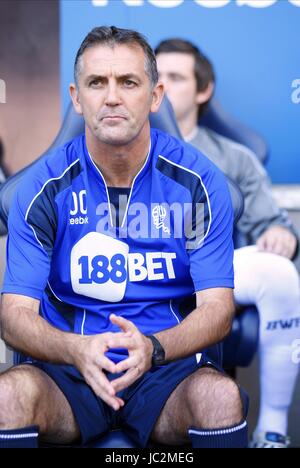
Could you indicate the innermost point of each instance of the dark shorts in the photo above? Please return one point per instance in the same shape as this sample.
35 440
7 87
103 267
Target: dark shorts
144 399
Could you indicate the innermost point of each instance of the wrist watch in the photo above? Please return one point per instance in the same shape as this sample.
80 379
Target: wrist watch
158 354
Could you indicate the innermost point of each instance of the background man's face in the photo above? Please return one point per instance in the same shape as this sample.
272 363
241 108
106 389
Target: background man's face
114 92
176 71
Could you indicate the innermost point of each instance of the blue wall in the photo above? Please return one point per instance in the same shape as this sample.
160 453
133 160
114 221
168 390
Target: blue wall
255 52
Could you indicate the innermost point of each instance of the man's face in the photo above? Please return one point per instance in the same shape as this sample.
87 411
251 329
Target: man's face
176 71
114 93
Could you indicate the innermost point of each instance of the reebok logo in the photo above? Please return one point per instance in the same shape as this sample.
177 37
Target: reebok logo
79 220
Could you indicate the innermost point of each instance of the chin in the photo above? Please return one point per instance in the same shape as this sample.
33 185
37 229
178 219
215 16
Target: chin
116 139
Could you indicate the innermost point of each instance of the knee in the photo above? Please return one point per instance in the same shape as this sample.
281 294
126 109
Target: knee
219 406
289 278
278 276
225 403
19 393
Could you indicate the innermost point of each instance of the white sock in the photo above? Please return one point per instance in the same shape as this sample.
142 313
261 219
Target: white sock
272 283
274 405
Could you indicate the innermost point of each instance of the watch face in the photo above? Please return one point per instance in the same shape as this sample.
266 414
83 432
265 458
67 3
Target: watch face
158 357
158 354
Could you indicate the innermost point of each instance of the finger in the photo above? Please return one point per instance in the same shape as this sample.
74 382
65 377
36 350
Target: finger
104 390
126 364
124 324
277 247
121 342
107 364
283 245
271 243
100 381
122 402
261 243
127 379
115 402
110 335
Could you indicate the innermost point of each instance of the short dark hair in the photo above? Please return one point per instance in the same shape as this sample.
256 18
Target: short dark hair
111 35
204 71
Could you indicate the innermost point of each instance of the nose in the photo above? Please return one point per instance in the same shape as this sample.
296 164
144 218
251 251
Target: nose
112 97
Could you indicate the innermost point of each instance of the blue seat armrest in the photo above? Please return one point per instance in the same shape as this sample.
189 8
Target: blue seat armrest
241 345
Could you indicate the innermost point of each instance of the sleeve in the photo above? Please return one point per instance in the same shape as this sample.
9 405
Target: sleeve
211 261
261 211
28 250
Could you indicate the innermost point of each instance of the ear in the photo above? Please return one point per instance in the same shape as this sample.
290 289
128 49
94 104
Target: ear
205 96
157 97
75 98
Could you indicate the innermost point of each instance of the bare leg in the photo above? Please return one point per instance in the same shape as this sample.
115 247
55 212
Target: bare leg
206 399
28 397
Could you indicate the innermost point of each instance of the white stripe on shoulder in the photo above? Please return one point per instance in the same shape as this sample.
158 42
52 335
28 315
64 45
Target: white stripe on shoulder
34 233
46 183
204 188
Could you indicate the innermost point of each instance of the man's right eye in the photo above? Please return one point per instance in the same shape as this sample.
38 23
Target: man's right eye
96 82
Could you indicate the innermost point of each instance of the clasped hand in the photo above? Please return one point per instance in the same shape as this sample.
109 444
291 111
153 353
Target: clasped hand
91 361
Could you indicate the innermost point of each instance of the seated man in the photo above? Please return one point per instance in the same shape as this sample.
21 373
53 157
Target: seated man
264 274
91 291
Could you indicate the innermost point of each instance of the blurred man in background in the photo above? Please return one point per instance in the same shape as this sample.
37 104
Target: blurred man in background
264 273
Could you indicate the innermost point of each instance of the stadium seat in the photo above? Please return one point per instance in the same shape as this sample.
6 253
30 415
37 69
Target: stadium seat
222 122
241 344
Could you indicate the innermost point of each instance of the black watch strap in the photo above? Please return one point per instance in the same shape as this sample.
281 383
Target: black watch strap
158 354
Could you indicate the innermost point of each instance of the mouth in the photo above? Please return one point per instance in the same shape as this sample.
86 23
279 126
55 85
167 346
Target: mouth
113 117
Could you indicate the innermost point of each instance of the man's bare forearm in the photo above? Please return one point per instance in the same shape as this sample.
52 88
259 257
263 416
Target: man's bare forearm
206 325
24 330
